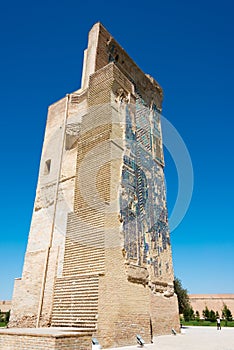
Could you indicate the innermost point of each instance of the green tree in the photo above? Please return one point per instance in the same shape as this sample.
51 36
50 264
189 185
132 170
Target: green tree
188 314
206 313
7 317
197 316
182 295
1 316
226 313
212 316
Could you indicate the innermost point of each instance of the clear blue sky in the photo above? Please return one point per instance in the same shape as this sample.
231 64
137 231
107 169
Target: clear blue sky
189 48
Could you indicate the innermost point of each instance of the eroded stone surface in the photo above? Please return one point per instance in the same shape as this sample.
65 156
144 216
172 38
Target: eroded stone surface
99 254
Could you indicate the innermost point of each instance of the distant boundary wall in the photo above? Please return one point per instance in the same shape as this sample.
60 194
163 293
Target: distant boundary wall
212 301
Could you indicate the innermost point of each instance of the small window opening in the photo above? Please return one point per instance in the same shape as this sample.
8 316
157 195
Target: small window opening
47 167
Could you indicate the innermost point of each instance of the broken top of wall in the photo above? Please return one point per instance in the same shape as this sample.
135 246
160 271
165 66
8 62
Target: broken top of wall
103 49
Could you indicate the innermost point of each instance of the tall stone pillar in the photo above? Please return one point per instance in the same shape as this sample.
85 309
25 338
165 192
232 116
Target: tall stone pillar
99 255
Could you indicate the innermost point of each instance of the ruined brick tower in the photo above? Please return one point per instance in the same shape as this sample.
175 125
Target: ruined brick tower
98 255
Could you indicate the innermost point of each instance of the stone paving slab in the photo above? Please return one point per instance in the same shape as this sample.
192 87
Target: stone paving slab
194 338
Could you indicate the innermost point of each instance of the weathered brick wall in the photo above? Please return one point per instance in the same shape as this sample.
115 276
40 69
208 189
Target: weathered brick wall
27 291
33 293
164 314
124 307
47 302
33 342
110 51
73 343
12 342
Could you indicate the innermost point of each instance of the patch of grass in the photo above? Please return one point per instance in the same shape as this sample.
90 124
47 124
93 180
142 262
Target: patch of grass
227 323
3 324
207 323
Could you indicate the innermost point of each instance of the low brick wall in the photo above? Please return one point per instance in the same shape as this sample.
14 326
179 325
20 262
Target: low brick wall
20 341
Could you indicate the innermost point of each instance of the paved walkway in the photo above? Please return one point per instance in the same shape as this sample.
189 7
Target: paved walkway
194 338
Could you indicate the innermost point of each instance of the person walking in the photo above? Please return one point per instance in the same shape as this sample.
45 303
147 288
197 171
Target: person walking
218 323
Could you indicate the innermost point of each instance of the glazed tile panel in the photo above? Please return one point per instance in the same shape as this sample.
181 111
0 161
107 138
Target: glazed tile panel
142 201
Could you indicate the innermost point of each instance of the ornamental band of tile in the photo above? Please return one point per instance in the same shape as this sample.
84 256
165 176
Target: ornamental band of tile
98 256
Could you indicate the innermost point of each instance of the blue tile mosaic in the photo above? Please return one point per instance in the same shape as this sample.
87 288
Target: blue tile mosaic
142 203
